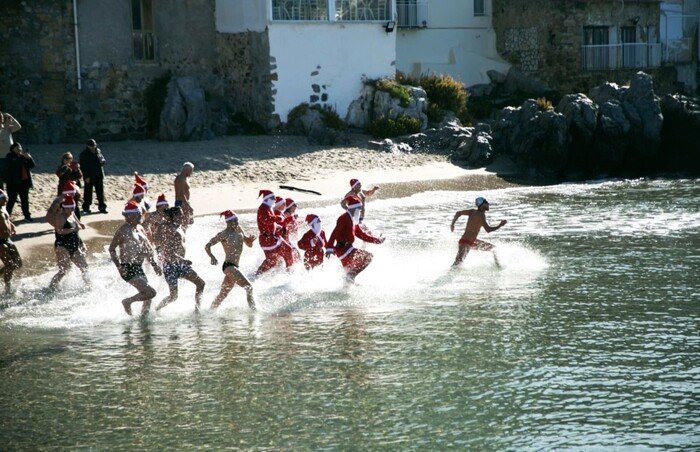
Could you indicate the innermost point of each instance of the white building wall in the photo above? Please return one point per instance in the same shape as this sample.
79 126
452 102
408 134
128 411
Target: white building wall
238 16
455 42
335 57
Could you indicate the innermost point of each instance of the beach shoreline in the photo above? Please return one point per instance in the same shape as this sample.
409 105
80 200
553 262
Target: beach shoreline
229 175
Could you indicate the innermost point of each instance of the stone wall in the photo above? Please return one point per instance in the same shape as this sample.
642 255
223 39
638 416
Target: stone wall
39 82
544 38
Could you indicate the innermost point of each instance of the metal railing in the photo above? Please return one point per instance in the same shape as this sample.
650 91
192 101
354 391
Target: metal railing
344 10
620 56
412 14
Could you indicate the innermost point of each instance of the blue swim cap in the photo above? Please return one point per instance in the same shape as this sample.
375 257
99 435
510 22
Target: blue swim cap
479 201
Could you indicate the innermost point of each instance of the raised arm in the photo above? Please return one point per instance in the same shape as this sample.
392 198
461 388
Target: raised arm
454 220
490 229
216 239
247 239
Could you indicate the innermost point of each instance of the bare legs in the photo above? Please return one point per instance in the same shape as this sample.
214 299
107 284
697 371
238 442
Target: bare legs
233 276
194 279
146 294
64 261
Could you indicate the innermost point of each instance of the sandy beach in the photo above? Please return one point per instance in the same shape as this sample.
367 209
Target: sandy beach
229 172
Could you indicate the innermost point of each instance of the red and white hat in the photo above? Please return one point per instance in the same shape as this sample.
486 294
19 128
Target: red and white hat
131 207
289 202
139 190
352 202
354 183
162 201
69 188
229 215
279 202
68 202
312 218
266 194
140 181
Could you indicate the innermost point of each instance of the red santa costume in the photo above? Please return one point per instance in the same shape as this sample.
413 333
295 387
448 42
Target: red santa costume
340 242
313 242
270 227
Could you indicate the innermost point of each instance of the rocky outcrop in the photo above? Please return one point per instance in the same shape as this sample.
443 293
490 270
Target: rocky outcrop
374 104
614 131
311 124
185 115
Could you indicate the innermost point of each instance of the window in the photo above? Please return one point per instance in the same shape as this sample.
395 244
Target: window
142 30
479 8
628 36
596 49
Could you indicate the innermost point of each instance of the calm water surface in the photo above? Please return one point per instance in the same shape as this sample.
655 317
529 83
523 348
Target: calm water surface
588 338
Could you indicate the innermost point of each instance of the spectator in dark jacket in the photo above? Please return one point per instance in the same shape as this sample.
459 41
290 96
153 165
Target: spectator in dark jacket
92 162
69 170
19 178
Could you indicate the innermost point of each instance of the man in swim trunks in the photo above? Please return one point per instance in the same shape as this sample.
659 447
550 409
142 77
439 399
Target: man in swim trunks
232 239
475 221
343 236
356 190
182 192
68 245
8 251
134 248
156 219
171 238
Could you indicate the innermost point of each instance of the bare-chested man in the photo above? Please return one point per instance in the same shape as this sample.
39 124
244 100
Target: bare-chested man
356 190
156 219
134 248
476 220
232 239
8 251
171 245
182 192
68 245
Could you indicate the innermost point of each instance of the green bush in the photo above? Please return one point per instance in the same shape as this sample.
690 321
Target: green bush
444 93
329 117
154 99
395 90
386 128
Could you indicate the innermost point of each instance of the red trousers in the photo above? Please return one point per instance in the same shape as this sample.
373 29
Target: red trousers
355 262
272 257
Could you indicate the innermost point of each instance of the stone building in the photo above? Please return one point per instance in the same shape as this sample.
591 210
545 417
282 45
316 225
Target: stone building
573 45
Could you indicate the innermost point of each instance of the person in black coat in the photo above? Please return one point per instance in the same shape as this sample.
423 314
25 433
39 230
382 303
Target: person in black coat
19 178
92 162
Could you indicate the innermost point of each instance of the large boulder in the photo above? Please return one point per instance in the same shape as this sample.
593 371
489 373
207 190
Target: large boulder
374 104
680 134
185 116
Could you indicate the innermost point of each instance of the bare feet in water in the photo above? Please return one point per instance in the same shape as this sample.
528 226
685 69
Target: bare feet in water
127 306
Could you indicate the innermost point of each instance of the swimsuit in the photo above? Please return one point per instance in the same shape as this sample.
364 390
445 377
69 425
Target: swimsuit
227 265
71 241
471 243
131 271
172 271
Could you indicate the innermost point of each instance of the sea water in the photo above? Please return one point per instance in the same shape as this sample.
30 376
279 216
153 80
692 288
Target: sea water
586 338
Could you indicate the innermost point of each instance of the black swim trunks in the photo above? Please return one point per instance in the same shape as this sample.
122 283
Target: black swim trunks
227 265
131 271
71 242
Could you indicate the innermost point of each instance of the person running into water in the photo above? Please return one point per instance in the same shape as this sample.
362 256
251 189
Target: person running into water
156 219
475 221
182 192
68 245
271 242
313 243
356 190
343 236
145 202
172 253
232 239
134 248
8 251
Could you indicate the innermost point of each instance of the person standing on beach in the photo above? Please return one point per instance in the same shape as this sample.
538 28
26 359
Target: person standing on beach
172 253
9 255
476 219
232 239
68 245
92 162
271 242
182 192
134 247
356 190
19 178
343 236
313 242
8 126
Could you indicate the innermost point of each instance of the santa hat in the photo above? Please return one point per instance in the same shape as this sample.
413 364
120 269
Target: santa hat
289 202
162 201
266 194
229 215
279 202
68 202
352 202
69 188
311 218
354 183
139 190
140 181
131 207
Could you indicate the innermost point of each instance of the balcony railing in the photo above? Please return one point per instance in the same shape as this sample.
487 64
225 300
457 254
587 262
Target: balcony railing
621 56
344 10
412 14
